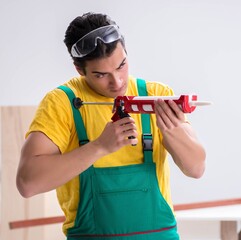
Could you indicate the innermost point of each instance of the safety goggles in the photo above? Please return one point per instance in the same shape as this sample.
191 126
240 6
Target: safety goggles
88 42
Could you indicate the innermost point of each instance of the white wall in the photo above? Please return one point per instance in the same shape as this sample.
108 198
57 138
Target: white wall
192 45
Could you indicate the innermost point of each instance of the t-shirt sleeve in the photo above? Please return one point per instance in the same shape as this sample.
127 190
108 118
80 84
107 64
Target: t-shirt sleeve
54 118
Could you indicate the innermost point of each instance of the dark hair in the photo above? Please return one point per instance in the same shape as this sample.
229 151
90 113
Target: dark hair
82 25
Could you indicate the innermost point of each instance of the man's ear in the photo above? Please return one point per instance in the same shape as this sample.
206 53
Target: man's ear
79 70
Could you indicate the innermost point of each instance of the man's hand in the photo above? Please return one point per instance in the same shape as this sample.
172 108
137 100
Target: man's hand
116 135
168 115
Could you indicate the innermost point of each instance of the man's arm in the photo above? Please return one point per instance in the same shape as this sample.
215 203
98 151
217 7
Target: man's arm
43 168
180 139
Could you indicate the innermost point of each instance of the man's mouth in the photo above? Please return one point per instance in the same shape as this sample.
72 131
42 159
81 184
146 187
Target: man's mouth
116 90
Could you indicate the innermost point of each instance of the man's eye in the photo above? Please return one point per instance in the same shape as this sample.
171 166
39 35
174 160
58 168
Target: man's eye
99 75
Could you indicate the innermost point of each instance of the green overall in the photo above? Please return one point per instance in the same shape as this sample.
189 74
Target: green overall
121 202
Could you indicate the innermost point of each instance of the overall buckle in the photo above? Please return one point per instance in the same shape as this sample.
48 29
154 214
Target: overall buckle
147 142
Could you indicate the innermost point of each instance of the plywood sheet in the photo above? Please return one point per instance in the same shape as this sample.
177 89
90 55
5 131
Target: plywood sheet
14 123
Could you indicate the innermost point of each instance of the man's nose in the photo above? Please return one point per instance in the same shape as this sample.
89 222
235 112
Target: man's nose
116 79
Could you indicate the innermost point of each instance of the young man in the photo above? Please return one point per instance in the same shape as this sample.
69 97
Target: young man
107 188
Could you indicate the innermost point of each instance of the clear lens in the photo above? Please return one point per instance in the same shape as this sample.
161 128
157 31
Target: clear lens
88 43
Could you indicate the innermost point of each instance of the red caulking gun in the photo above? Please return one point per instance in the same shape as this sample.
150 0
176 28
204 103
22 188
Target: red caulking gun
123 105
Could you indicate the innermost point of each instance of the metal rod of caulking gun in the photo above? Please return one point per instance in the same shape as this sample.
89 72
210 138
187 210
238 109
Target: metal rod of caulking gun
97 103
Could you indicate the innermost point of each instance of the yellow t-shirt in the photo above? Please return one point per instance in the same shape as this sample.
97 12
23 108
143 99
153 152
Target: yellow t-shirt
55 119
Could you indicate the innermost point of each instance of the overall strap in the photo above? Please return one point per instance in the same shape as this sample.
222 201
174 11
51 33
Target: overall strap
79 124
146 125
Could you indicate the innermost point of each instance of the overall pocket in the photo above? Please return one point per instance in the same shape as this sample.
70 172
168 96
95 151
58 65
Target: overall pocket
122 198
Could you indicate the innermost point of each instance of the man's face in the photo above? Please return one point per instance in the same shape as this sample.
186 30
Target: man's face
109 76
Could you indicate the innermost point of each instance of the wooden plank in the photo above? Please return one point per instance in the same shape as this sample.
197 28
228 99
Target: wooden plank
208 204
36 222
14 123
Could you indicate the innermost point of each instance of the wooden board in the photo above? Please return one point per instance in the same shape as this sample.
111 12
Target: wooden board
14 123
